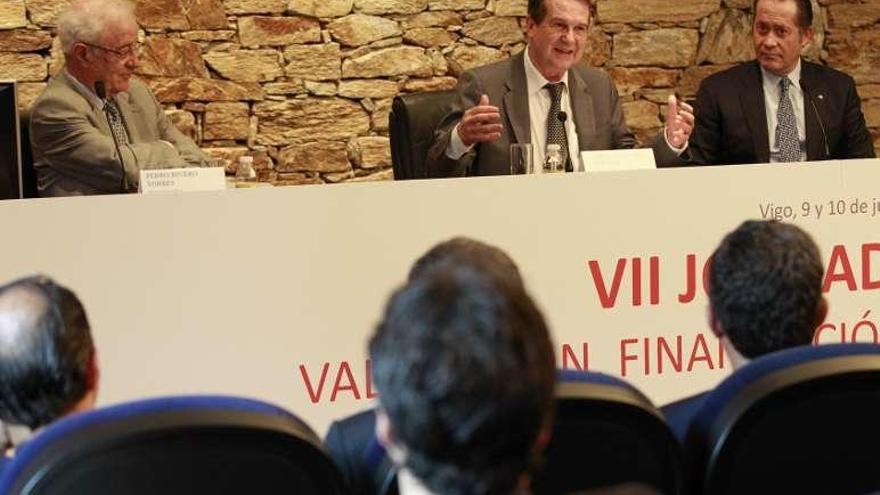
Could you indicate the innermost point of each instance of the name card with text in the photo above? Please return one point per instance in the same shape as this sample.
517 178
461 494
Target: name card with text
617 160
183 179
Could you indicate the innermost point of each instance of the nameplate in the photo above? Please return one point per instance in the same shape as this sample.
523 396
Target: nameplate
183 179
617 160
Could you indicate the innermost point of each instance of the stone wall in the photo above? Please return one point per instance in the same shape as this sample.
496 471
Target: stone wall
306 85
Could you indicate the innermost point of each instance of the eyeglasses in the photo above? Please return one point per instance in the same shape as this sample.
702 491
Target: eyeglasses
123 52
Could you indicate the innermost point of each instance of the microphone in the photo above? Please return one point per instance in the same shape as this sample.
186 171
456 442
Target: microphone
101 91
809 96
562 117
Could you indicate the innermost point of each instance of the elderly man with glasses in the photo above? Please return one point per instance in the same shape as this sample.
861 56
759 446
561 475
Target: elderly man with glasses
95 126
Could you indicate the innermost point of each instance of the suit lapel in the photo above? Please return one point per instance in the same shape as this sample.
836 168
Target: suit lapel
582 108
516 100
752 100
130 114
814 93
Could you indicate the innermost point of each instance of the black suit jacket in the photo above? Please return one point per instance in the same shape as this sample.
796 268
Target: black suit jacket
731 118
359 455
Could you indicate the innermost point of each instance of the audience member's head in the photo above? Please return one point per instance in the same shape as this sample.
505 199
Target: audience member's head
466 251
765 288
99 39
465 369
47 359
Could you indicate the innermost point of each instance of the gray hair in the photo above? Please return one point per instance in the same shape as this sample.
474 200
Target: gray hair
86 20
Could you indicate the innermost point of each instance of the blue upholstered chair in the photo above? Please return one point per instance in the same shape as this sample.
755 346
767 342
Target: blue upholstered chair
171 446
802 421
607 433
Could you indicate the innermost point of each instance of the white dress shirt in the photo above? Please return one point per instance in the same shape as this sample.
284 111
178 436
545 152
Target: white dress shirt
771 103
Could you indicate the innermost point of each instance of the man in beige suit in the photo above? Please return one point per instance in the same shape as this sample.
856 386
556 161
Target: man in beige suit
95 97
544 95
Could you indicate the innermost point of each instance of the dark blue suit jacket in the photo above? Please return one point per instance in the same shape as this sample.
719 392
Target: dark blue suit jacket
361 458
679 414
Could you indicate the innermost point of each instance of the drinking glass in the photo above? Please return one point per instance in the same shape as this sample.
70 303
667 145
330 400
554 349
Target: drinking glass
521 159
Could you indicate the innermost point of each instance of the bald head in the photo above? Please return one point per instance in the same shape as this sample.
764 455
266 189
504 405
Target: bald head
46 352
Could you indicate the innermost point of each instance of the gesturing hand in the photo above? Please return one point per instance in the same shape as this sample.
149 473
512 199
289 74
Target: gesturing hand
480 124
679 122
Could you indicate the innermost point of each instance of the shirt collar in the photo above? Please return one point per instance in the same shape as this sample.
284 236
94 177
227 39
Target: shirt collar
87 92
535 80
794 76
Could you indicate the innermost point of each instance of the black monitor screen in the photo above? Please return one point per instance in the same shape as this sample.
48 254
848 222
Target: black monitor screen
10 178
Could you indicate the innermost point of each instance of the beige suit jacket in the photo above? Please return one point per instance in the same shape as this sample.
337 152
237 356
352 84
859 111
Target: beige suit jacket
598 118
73 150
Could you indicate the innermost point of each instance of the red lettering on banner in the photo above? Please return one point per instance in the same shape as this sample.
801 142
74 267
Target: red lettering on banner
839 257
313 395
867 283
344 372
568 356
690 279
607 298
863 327
370 393
699 356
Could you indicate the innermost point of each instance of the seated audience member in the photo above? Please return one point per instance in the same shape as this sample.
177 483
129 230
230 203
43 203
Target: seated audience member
465 371
352 441
48 367
93 99
765 295
545 95
779 108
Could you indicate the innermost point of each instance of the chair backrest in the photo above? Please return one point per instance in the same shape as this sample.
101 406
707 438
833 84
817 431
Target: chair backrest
795 421
412 122
28 172
176 445
607 433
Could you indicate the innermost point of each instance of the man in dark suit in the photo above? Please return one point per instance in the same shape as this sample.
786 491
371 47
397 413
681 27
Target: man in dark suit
48 366
544 95
779 108
765 295
352 442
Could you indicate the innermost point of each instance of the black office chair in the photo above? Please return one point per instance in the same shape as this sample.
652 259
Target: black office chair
796 421
175 446
607 433
28 172
412 122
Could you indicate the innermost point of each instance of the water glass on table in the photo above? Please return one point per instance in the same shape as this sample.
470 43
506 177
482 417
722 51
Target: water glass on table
521 159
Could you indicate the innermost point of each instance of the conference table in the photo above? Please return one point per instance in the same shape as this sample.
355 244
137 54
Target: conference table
273 292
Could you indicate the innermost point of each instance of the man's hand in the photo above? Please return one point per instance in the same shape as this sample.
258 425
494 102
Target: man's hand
480 124
679 122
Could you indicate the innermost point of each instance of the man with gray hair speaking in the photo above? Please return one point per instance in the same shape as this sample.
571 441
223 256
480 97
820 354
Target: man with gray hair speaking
95 126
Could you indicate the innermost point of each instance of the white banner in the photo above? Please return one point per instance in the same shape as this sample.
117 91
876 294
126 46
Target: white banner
272 293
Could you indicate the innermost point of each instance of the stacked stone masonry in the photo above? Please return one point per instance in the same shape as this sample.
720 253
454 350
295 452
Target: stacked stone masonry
305 86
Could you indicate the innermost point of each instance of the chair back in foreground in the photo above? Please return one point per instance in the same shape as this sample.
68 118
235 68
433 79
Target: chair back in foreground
607 433
412 121
801 420
175 446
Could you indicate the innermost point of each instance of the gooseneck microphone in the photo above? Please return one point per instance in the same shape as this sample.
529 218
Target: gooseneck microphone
562 117
808 94
101 91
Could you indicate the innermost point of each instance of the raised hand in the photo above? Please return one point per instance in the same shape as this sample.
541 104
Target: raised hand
679 122
480 124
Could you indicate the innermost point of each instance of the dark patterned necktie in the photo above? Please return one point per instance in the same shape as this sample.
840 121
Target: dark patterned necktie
787 142
555 125
115 120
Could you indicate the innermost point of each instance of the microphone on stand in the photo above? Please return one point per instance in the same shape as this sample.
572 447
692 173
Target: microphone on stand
809 96
101 91
562 116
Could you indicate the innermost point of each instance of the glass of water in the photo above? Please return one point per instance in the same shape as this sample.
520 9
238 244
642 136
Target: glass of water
521 159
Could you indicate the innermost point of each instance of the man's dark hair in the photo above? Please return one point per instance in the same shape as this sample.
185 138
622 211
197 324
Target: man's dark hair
765 287
804 17
466 251
537 10
465 369
46 351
